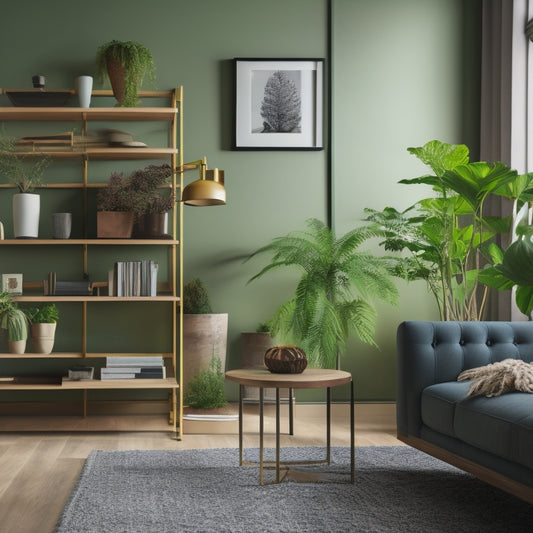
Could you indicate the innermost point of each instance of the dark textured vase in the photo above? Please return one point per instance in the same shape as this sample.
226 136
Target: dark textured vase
285 360
150 226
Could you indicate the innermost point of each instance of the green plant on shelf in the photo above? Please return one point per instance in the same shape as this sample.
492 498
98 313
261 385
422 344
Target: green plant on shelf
17 169
12 319
43 314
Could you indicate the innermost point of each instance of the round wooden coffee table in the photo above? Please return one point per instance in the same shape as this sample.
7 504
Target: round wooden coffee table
310 378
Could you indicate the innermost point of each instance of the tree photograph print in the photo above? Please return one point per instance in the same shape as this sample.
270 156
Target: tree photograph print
278 104
281 107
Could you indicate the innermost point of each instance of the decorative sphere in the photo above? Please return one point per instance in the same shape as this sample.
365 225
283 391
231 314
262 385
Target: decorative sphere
285 360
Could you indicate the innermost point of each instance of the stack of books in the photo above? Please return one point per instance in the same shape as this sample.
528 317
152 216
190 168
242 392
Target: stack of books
133 278
52 287
142 367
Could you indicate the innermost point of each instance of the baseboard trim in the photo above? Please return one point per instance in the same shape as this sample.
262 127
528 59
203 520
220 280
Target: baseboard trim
483 473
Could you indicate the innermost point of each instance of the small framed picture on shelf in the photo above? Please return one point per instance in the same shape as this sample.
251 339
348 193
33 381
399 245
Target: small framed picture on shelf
12 283
279 104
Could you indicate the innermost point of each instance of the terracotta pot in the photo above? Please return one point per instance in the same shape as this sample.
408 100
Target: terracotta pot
150 226
117 77
114 224
42 337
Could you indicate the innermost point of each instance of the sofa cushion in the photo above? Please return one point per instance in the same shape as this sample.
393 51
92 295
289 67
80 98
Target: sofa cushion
438 405
501 425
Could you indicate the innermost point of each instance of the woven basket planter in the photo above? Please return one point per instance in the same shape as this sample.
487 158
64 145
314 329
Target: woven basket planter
285 360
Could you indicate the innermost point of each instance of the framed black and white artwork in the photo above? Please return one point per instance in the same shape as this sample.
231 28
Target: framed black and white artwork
279 104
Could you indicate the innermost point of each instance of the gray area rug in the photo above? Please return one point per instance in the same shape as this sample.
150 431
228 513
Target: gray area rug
397 489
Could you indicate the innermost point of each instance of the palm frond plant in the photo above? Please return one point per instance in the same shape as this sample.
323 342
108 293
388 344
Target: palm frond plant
449 234
334 294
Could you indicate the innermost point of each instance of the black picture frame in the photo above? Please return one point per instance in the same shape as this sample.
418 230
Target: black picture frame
262 85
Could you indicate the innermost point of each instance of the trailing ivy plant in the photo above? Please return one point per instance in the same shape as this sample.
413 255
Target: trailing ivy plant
335 292
448 236
136 59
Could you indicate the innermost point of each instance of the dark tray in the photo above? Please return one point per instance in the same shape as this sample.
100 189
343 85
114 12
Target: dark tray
38 97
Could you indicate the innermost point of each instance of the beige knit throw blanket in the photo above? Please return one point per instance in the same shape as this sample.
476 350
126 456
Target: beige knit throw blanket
498 378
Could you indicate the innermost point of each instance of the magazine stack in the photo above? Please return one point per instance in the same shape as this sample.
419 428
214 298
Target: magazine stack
143 367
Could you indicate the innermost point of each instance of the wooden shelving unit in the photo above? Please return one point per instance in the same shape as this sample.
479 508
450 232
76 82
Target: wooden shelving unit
172 153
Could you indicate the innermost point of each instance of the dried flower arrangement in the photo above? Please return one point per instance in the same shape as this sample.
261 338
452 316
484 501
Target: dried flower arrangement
138 192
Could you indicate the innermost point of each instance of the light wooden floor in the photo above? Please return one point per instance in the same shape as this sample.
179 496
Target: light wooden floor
39 469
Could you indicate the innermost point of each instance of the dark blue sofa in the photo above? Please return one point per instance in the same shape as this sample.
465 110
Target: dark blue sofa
491 438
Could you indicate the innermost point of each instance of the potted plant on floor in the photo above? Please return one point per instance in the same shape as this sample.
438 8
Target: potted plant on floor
26 175
333 296
125 64
449 236
206 388
204 332
15 322
43 319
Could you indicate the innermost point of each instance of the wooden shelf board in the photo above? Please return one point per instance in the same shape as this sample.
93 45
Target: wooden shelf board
76 185
107 384
79 355
90 242
166 298
105 154
117 114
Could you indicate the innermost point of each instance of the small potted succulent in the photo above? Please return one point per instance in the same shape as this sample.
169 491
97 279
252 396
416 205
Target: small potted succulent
43 320
125 64
15 322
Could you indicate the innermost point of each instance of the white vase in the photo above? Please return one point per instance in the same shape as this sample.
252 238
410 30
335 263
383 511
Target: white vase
26 209
84 87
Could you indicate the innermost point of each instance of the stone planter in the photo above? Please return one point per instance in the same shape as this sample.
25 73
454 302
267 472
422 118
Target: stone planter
114 224
203 336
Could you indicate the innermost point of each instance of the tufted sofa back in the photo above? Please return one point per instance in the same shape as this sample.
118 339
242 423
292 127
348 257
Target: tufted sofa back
436 352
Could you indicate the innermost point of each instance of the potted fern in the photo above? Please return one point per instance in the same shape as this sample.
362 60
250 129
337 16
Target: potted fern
26 175
333 296
15 322
125 64
43 320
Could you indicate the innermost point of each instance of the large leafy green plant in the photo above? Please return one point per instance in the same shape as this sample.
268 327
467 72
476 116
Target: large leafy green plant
449 234
333 295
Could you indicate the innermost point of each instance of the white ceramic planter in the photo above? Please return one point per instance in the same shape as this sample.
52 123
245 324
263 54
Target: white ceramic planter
16 347
26 208
42 337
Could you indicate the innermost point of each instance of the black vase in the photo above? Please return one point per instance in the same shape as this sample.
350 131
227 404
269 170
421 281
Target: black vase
150 226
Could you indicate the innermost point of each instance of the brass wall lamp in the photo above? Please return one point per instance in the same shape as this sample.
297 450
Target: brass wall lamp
208 190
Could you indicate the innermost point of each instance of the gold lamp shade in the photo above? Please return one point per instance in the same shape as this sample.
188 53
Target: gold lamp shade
208 190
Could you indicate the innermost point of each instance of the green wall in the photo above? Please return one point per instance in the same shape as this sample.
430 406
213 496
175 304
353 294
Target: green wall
398 80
